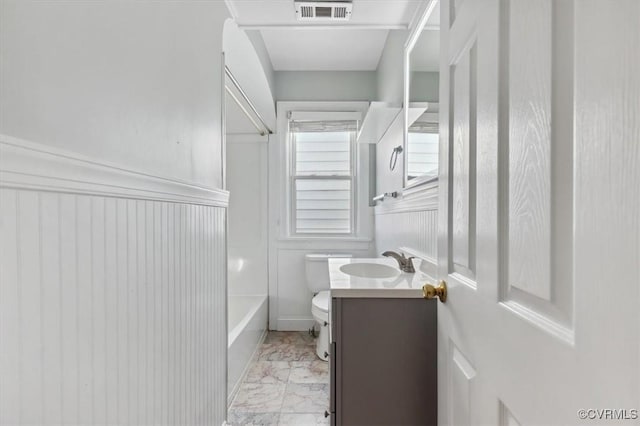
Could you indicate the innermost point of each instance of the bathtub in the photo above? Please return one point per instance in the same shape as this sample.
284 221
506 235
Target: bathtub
247 329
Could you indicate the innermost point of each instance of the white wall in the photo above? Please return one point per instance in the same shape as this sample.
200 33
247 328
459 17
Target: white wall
250 70
133 83
247 166
112 263
424 87
325 85
388 180
289 296
389 86
247 176
409 222
389 83
255 36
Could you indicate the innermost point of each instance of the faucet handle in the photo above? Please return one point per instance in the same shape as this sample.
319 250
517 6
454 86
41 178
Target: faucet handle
408 259
402 256
409 265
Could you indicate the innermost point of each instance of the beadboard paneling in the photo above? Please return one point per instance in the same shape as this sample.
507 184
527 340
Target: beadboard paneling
410 224
112 307
416 230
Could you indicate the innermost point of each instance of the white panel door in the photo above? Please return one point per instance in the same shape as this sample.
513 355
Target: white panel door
539 221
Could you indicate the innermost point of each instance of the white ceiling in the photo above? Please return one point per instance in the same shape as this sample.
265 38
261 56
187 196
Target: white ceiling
353 46
282 12
324 50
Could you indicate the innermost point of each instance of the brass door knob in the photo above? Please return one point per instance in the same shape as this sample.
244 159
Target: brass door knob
439 291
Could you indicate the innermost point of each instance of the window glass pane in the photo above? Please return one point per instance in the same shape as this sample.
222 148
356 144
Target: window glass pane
323 206
323 153
422 154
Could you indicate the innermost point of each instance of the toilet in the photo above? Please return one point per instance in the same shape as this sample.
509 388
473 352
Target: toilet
317 270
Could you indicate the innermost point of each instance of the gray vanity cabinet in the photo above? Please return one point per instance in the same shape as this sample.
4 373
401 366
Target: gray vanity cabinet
383 362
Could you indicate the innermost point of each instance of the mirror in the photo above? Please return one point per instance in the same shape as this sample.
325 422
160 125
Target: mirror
421 137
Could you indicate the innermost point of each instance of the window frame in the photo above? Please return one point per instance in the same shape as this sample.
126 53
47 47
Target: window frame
291 193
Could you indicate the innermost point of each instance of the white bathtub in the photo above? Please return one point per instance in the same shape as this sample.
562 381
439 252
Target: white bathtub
247 329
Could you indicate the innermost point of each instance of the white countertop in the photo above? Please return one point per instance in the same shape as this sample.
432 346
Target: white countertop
403 285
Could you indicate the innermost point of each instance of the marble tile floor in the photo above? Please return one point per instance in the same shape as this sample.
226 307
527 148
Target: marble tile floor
286 384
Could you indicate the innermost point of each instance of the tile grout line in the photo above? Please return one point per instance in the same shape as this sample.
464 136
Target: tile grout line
289 340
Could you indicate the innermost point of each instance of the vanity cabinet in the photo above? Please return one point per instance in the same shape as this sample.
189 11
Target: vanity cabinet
383 361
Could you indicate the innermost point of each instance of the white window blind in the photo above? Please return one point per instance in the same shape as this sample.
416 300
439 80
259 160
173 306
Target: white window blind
422 154
322 179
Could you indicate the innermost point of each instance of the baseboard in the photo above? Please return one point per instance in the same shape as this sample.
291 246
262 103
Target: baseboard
295 324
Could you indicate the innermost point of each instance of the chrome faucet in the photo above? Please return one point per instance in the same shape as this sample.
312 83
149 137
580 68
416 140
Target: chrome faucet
404 263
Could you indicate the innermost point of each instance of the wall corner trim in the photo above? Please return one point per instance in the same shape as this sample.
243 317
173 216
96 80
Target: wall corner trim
34 166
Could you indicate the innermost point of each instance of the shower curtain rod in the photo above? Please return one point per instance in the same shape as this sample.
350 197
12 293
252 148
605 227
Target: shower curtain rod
235 98
249 103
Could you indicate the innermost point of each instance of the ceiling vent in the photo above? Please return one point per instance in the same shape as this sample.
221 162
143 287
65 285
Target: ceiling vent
323 11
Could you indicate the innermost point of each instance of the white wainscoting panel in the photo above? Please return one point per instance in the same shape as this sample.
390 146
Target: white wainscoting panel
415 230
410 224
112 307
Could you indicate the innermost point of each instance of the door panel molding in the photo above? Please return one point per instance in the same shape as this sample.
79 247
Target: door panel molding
506 417
535 178
461 379
462 162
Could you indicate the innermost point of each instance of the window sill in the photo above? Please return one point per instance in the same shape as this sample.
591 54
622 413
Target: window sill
326 238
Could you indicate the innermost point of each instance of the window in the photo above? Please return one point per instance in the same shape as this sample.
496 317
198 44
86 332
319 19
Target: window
322 177
422 151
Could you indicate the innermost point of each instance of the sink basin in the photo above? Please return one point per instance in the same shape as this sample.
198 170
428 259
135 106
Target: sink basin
369 270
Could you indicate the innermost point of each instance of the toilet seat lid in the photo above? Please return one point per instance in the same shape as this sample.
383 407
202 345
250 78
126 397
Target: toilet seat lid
321 301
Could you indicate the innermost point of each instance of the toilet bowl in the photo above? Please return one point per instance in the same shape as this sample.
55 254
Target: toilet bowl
320 312
317 271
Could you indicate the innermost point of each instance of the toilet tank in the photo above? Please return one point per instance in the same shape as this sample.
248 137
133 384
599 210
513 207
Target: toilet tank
317 269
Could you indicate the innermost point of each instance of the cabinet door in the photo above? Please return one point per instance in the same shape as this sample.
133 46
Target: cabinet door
385 362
